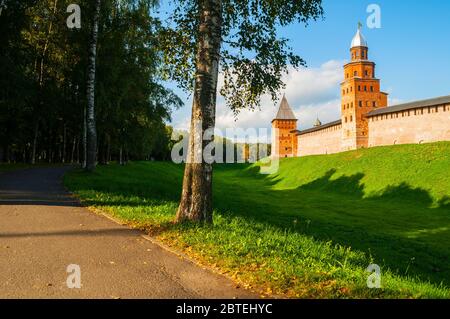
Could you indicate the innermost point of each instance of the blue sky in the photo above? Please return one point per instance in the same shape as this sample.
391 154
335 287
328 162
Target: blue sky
411 50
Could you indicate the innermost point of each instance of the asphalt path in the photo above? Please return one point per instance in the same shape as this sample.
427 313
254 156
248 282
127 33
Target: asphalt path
43 230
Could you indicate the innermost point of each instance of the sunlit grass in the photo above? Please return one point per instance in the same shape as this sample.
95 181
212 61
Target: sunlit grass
312 229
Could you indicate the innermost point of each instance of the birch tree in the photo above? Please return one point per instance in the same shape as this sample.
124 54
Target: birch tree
238 37
90 112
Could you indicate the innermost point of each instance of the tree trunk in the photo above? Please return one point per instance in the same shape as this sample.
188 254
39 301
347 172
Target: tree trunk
84 138
196 197
36 131
91 129
108 149
78 151
63 155
72 156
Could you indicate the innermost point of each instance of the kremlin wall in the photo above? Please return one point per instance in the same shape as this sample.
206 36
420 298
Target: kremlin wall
366 119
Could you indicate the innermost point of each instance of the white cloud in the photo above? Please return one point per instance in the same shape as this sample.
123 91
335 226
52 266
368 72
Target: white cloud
311 92
394 101
309 86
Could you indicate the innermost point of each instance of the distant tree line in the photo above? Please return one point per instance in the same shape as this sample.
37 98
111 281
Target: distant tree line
44 76
96 91
226 150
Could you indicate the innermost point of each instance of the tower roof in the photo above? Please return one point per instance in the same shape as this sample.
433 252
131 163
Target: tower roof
358 39
285 111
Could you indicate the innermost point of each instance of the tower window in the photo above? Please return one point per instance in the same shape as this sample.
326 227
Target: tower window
355 73
351 118
371 89
365 88
374 104
367 73
351 105
359 87
360 103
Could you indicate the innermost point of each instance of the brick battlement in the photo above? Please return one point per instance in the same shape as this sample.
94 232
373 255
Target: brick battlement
366 120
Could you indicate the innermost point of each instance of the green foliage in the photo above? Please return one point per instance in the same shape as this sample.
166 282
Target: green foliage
310 230
132 104
44 67
253 57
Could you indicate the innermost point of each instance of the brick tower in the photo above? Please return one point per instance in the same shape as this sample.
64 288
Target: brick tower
284 139
360 94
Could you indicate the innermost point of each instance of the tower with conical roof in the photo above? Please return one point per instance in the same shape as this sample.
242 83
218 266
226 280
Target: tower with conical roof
284 125
360 94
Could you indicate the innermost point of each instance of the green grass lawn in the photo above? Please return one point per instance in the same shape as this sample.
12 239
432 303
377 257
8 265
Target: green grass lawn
311 229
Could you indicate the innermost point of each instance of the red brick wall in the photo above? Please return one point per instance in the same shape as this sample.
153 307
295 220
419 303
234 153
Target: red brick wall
284 142
422 125
326 141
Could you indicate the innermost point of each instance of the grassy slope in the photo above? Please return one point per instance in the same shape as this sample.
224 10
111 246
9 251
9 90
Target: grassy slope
310 230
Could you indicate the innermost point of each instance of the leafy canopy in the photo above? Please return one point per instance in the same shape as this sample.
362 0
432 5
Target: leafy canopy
253 56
